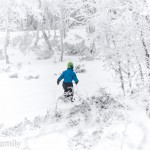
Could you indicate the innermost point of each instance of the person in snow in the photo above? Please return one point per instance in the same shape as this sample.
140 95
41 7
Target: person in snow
68 75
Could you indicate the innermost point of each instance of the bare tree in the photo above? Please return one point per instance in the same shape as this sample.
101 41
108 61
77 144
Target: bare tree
62 33
7 35
47 40
139 66
38 27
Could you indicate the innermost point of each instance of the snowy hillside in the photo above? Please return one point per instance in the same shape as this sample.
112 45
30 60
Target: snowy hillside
96 120
33 89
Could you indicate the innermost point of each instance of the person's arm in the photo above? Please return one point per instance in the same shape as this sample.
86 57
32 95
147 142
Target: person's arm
60 78
75 78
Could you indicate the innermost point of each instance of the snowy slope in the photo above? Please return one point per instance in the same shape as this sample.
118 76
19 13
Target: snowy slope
36 98
30 97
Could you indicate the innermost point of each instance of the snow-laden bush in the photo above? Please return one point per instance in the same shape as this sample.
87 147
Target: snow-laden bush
101 106
15 75
86 117
26 125
11 68
79 69
23 42
19 65
43 52
56 56
6 69
141 98
88 56
98 110
102 99
30 77
74 44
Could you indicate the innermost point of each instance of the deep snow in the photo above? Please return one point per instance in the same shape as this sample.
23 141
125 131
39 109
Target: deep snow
30 97
22 98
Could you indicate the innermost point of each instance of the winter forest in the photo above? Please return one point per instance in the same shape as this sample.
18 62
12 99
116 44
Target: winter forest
108 42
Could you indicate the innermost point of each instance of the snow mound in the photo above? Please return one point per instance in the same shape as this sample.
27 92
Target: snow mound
79 125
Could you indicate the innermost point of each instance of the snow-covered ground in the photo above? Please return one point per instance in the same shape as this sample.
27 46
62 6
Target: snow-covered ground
34 92
22 97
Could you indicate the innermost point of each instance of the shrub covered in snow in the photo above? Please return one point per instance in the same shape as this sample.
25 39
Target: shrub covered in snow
43 52
15 75
101 106
30 77
23 42
88 56
74 44
96 109
6 69
79 69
